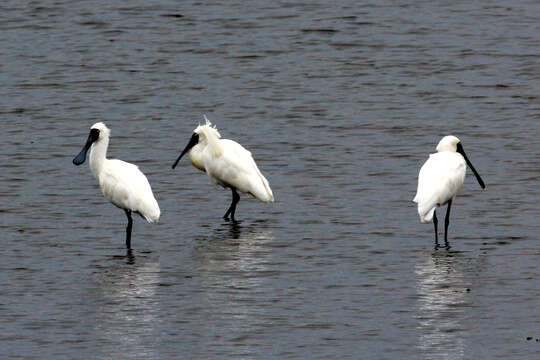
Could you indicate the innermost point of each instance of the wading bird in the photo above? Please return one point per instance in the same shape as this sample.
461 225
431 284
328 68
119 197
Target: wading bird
122 183
440 179
227 163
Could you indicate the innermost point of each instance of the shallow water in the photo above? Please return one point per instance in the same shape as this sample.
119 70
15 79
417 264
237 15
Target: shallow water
340 104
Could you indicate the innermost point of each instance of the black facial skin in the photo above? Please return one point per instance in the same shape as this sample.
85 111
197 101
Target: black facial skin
92 137
192 142
462 152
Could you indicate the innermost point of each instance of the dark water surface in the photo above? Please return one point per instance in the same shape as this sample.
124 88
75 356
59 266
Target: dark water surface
340 103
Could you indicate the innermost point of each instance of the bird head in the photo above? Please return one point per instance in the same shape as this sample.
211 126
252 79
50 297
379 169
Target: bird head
453 144
104 131
448 143
201 135
206 131
98 132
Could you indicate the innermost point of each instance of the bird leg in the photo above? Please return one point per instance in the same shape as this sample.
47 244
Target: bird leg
232 208
128 229
435 221
446 223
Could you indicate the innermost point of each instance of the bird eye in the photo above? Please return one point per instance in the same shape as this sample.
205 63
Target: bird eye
94 133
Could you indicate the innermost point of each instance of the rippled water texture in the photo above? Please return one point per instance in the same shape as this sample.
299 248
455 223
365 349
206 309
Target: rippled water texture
340 103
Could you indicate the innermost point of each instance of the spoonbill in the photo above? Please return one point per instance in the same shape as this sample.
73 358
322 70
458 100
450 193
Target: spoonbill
439 180
227 163
122 183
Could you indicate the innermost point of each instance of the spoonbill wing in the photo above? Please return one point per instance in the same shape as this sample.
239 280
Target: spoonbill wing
125 186
236 167
438 181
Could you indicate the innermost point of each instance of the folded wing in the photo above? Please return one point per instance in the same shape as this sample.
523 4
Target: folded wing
438 182
127 187
237 168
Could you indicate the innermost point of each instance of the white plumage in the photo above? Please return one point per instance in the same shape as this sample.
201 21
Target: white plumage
227 163
122 183
440 178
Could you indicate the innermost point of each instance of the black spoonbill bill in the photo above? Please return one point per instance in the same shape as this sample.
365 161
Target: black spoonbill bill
122 183
439 180
227 163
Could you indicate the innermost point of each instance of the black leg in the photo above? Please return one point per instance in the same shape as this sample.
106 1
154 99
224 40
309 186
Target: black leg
128 229
232 208
446 223
435 222
236 199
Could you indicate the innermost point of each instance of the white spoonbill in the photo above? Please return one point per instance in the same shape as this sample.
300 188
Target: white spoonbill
122 183
227 163
440 179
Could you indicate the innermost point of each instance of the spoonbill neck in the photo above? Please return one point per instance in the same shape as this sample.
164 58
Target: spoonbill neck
98 155
212 141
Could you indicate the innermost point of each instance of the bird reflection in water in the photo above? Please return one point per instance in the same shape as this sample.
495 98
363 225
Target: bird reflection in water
235 265
235 230
130 258
442 306
228 231
129 310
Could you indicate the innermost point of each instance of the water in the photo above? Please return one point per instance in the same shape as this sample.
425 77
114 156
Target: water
340 103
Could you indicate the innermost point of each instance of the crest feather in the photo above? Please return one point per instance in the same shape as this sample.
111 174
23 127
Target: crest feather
208 129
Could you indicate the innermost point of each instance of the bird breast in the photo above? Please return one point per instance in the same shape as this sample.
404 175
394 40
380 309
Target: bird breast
196 158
